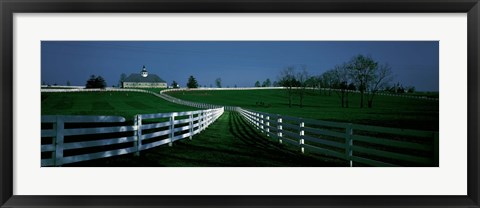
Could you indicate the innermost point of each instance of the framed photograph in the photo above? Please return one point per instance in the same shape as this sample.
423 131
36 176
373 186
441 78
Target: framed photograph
236 103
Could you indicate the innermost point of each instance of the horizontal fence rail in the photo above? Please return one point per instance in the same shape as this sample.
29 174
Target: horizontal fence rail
70 139
402 95
368 145
189 103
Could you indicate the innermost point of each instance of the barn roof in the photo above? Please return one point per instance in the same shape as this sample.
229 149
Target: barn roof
139 78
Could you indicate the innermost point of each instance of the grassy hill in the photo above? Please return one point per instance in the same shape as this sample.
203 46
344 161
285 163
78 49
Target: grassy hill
388 111
125 104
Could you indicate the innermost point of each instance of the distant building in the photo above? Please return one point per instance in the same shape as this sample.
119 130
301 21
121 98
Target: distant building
144 80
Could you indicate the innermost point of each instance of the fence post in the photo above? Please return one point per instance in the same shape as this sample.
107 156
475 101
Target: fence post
172 127
349 143
54 142
280 129
302 134
207 118
135 133
435 150
203 121
210 116
261 122
268 125
139 134
257 120
200 117
59 126
212 113
191 126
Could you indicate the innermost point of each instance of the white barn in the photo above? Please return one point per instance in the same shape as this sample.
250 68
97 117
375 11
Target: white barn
144 80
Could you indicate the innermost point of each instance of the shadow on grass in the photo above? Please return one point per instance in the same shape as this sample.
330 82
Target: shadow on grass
268 148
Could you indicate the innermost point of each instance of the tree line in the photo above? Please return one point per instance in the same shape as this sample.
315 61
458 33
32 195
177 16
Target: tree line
361 73
266 83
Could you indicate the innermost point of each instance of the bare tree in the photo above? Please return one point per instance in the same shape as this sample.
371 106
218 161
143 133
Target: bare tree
362 69
313 82
326 81
302 77
380 78
287 79
341 80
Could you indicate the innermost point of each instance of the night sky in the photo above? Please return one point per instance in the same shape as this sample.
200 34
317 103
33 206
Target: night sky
241 63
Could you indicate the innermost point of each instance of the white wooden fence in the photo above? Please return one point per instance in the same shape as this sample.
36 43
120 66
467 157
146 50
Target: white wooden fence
188 103
68 141
108 89
370 145
403 95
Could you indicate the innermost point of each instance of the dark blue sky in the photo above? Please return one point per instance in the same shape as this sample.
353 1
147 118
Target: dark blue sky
240 63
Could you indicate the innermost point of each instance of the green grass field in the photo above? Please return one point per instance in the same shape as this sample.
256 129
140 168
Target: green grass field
388 111
125 104
230 141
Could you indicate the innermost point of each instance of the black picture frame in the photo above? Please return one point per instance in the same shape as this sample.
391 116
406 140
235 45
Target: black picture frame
9 7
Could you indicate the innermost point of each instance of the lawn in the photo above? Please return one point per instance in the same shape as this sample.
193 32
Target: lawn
398 112
230 141
126 104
